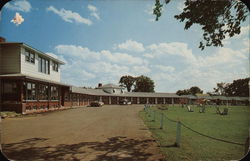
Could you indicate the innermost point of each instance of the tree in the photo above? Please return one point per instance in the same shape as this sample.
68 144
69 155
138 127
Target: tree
220 90
218 18
127 81
183 92
144 84
193 90
239 88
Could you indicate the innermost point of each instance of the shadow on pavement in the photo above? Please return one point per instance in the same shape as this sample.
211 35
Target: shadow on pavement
114 149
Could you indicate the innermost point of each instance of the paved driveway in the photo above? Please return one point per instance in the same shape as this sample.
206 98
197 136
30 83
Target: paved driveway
110 133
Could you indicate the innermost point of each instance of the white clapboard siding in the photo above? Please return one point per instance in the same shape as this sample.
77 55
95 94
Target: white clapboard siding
31 69
9 59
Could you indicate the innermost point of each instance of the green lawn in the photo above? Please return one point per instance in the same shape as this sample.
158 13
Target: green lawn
232 127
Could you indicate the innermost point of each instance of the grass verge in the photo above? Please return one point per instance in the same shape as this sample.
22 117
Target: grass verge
231 127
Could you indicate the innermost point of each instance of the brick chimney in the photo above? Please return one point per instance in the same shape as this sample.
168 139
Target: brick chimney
99 85
2 39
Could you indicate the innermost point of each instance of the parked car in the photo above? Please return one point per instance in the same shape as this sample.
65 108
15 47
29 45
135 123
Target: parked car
96 104
124 102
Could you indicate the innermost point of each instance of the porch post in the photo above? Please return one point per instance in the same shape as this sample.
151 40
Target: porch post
164 100
109 100
147 101
156 102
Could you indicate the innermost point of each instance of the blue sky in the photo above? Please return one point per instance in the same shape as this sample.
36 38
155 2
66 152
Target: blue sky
102 40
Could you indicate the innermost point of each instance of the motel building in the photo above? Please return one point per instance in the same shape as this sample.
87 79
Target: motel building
30 82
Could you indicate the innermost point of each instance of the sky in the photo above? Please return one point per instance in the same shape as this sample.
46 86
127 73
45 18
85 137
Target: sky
102 40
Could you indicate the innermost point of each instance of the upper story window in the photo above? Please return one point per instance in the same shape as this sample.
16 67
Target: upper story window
29 56
43 65
55 66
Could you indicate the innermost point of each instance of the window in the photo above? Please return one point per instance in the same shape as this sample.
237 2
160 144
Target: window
54 93
43 92
29 56
43 65
30 89
55 66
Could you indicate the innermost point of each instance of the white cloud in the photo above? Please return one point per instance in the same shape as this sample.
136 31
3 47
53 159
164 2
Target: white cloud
120 58
92 8
21 5
174 48
165 63
165 68
94 11
77 52
131 45
69 16
149 55
18 19
140 70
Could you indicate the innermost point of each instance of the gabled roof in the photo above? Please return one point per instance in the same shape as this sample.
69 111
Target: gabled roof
31 48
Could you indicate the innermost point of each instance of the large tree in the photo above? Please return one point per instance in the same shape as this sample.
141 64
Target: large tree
183 92
127 81
144 84
217 18
239 87
193 91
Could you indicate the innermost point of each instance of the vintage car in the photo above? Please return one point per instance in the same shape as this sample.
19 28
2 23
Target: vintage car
96 104
124 102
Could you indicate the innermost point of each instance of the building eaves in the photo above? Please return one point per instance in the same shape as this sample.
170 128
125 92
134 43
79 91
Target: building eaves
32 78
36 50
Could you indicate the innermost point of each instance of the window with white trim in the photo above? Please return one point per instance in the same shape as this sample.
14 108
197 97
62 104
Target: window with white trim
43 65
29 56
55 66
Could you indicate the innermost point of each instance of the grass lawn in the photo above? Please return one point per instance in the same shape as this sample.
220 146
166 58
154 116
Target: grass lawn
232 127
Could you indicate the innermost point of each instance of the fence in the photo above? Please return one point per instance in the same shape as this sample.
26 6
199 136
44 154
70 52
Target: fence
158 118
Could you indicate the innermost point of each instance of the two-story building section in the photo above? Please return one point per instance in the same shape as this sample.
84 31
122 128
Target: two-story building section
29 79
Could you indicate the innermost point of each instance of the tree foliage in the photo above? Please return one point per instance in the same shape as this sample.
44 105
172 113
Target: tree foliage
193 91
127 81
220 89
239 88
144 84
218 18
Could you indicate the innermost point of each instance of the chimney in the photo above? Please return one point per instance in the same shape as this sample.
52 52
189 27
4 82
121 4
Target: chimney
99 85
2 39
